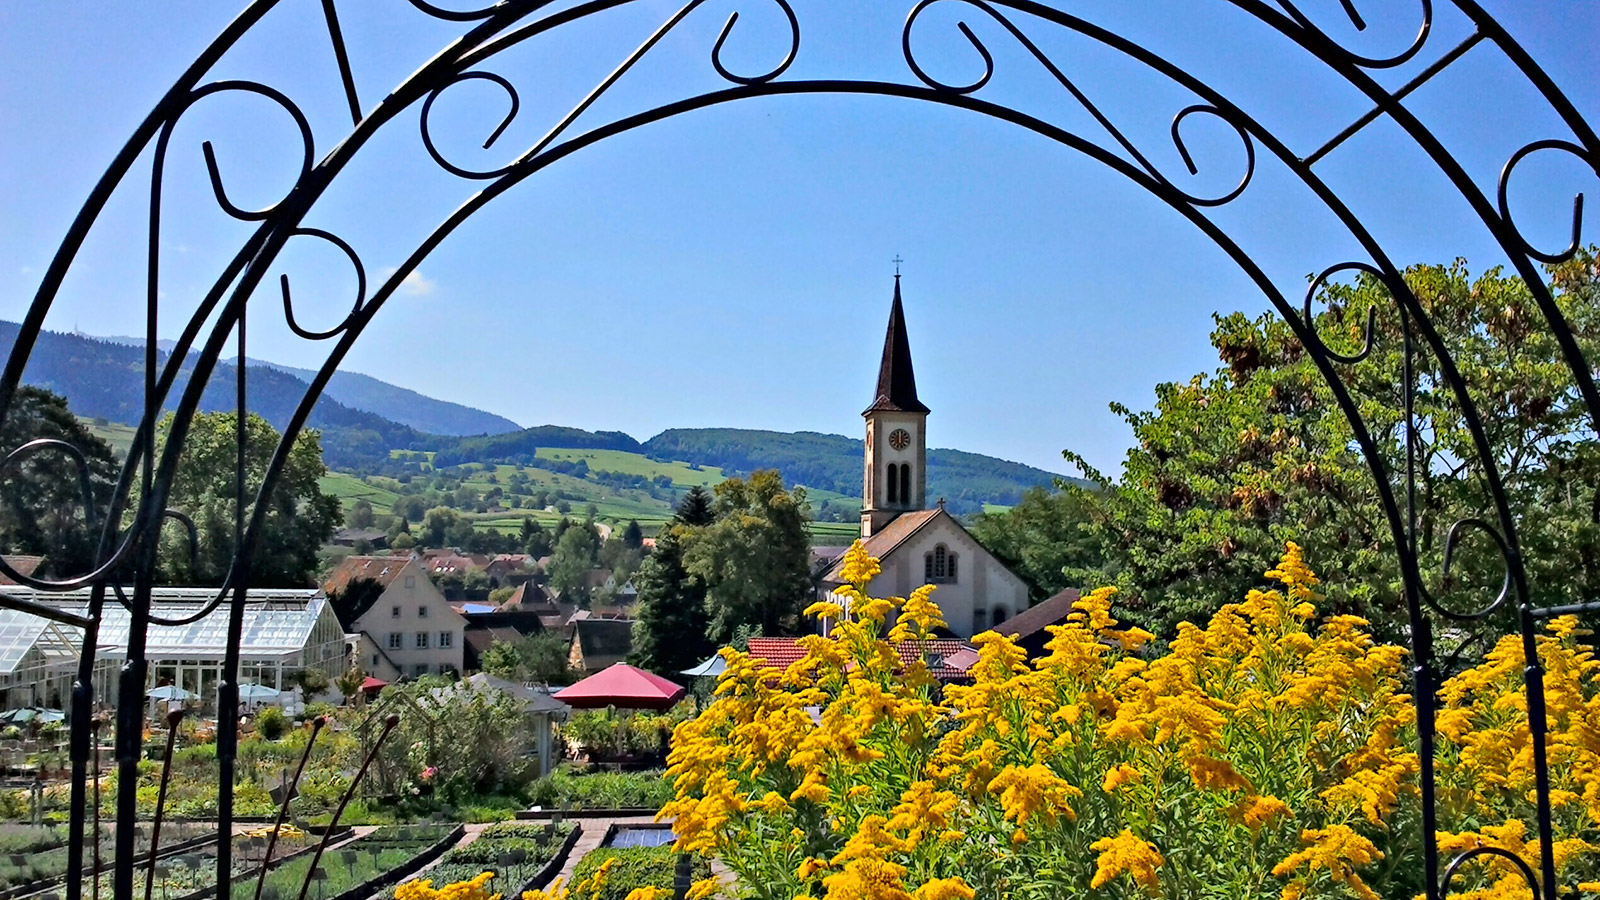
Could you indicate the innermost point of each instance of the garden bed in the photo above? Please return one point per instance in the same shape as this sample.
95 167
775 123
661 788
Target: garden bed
626 812
33 859
197 882
518 854
637 867
362 867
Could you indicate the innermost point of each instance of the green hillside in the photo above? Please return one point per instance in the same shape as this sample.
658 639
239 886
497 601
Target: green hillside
620 485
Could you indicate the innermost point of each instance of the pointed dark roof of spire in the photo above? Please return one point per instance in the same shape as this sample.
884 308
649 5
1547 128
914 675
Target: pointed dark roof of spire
897 384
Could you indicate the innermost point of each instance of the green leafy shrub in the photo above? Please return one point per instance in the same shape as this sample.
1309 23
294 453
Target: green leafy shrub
601 790
271 723
635 867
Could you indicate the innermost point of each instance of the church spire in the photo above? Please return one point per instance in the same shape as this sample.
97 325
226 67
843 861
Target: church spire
897 384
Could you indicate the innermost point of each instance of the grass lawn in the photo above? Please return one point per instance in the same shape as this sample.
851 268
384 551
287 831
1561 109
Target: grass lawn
350 488
682 474
120 437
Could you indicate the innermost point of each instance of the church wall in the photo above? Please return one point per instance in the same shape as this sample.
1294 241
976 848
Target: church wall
981 581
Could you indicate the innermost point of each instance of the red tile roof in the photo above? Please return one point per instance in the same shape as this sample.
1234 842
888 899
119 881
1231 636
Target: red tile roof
530 597
25 566
382 569
949 657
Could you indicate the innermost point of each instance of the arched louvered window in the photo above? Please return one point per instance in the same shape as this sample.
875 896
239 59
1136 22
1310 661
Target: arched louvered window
894 483
1000 615
939 565
905 483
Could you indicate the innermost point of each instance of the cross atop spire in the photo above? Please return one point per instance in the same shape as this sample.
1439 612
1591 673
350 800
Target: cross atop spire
897 261
897 383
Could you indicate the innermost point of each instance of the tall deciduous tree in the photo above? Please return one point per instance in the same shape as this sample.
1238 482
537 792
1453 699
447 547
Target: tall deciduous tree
575 555
41 499
1041 538
538 658
1229 466
755 558
300 518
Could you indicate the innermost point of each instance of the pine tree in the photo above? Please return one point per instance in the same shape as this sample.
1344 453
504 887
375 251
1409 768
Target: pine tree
695 510
669 634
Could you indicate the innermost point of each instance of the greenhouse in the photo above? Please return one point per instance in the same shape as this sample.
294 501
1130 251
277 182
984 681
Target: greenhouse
284 632
39 660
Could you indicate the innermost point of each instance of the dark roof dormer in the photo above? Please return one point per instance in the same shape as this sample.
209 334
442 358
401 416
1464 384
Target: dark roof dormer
897 383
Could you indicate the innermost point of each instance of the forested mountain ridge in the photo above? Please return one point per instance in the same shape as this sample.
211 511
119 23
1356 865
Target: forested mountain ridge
522 446
832 462
103 378
403 405
368 394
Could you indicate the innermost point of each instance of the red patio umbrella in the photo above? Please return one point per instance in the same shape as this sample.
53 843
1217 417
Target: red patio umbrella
624 687
372 684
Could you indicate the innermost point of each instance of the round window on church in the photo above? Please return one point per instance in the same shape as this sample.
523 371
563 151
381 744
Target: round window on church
900 439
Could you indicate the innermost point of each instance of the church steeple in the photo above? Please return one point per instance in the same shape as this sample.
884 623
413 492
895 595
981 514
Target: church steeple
897 382
895 479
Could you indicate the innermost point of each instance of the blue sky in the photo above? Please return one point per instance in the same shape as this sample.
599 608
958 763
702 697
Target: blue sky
731 267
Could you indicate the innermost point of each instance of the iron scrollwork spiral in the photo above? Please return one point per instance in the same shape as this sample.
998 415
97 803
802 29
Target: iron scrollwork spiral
302 124
361 287
1503 197
1127 145
1345 54
1318 284
511 114
788 59
1523 870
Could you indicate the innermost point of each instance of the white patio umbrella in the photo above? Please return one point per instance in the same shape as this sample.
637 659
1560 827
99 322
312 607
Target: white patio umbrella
170 692
716 665
257 692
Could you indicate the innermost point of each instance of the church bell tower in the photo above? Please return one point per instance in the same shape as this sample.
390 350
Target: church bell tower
896 476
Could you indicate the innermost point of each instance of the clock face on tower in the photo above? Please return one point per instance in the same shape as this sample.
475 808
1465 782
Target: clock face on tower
899 439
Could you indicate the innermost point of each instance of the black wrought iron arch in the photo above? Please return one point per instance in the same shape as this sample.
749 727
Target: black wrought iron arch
497 28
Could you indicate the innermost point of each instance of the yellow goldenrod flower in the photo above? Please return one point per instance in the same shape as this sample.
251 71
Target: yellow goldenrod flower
1126 853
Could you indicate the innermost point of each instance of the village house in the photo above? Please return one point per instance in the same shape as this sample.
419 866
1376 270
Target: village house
354 537
509 570
599 644
399 623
